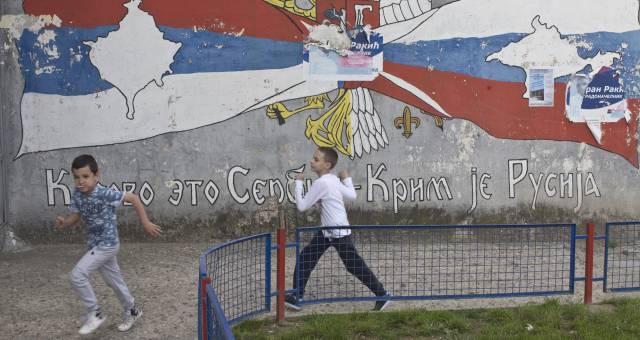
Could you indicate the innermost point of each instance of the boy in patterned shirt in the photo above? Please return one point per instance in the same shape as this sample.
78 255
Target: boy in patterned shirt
95 205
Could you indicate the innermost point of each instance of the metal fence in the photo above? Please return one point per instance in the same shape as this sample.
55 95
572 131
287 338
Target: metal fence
235 283
443 262
622 257
217 326
412 262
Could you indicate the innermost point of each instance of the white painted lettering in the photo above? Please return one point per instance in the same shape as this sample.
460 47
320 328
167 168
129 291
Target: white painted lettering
231 184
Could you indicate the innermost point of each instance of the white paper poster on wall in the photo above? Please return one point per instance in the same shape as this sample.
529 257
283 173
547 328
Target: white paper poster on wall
359 58
540 87
595 99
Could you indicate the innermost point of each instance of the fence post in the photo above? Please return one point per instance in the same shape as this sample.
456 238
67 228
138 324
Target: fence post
199 307
588 264
281 235
204 281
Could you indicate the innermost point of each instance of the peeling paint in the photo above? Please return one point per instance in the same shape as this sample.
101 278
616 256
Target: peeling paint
236 34
48 69
466 142
586 159
17 23
46 41
577 41
329 37
46 36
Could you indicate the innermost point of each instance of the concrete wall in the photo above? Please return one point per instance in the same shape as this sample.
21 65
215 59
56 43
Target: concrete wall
180 107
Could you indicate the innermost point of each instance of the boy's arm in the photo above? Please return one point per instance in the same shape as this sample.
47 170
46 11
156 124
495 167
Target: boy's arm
151 228
71 219
347 190
312 197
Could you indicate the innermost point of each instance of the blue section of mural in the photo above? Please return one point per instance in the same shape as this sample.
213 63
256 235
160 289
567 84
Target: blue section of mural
460 55
202 51
72 73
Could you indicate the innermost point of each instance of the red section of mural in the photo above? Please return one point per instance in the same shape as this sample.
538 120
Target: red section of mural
498 108
248 17
79 13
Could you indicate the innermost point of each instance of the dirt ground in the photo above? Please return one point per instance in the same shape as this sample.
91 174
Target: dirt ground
37 302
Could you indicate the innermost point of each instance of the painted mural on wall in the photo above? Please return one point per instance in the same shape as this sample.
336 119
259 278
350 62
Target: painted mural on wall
136 69
108 72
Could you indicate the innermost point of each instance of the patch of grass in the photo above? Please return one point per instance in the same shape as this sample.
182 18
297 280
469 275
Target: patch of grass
550 320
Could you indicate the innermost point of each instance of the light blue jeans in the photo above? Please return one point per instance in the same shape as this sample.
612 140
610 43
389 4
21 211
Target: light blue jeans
104 260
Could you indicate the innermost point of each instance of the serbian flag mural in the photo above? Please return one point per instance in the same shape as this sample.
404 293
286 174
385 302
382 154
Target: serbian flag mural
105 72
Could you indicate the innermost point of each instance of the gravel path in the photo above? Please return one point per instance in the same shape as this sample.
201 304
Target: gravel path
38 302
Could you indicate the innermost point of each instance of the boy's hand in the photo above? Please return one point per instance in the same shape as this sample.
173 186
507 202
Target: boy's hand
152 229
300 177
343 174
59 222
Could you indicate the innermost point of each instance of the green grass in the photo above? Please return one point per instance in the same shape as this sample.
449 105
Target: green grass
615 319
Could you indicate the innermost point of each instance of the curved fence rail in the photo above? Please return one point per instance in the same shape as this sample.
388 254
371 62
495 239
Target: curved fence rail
413 263
235 283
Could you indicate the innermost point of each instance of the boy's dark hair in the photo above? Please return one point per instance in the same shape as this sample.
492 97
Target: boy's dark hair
84 160
330 155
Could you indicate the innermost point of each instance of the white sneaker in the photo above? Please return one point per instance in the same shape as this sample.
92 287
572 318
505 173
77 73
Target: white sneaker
94 320
130 318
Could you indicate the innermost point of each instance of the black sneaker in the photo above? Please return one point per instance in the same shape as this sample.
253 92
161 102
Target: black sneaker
381 304
292 302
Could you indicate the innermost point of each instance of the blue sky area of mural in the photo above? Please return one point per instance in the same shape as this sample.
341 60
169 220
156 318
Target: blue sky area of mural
205 51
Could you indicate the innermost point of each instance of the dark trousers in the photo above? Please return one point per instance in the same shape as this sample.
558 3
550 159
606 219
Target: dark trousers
312 253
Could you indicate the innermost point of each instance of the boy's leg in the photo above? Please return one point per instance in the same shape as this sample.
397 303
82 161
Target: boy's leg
356 265
79 276
309 258
111 275
113 278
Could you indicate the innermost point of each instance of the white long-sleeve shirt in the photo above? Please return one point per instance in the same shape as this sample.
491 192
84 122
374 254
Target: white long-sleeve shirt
330 192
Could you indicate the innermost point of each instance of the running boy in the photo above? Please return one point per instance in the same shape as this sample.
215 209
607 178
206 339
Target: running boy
95 205
328 191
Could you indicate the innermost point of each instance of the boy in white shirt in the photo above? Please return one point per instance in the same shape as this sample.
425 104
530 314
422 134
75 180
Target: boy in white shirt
328 191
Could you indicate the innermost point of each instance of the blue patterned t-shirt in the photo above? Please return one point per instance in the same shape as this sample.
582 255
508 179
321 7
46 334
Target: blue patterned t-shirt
98 212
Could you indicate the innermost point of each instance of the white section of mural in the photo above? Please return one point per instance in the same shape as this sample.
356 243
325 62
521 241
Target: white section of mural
469 18
134 55
184 102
